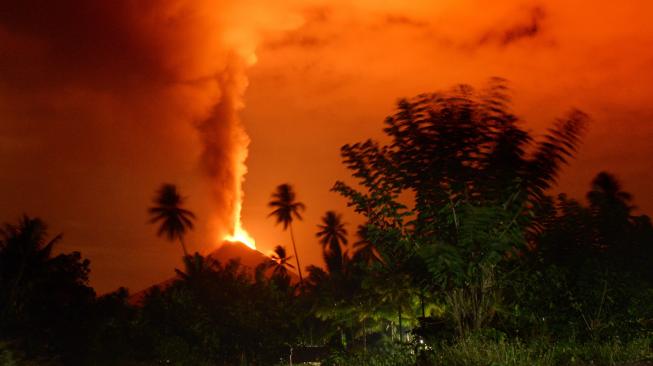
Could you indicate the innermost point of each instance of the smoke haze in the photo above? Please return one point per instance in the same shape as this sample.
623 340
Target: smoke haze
103 101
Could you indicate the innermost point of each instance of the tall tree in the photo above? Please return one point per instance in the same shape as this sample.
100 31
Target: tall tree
475 176
196 268
333 236
25 253
44 297
591 261
618 232
174 220
365 250
285 210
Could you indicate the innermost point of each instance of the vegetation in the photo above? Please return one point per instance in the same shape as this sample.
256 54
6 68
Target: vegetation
464 258
173 219
285 211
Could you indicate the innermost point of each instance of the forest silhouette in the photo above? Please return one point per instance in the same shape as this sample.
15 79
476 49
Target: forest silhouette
466 256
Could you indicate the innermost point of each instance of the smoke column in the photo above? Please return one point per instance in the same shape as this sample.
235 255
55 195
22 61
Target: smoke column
107 99
225 152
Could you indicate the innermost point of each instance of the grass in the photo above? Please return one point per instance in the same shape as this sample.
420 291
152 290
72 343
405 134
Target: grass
480 351
475 351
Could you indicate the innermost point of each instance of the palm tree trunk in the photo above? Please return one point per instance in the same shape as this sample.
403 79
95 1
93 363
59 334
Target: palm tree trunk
13 294
401 330
421 300
183 246
294 247
364 337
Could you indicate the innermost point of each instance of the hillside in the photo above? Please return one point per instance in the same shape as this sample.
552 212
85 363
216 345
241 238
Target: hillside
249 259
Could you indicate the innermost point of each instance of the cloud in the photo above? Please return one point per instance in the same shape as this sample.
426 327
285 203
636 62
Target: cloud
403 20
530 27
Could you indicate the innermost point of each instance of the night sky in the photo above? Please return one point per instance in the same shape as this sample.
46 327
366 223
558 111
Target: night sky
101 102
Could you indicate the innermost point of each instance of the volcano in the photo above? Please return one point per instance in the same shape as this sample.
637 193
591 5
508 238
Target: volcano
229 250
249 258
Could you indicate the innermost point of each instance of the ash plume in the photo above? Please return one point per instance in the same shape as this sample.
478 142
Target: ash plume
224 147
107 99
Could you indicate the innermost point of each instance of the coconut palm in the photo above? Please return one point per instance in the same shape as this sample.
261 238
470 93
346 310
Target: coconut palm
196 268
365 250
332 235
25 252
285 210
280 262
174 220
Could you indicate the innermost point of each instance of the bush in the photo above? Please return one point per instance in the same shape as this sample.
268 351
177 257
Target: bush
480 350
390 355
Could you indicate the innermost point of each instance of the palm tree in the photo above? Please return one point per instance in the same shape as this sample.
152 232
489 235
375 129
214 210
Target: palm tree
611 209
332 235
196 268
280 261
606 191
174 220
285 210
25 251
365 249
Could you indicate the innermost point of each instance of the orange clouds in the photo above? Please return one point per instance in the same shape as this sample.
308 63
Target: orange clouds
338 76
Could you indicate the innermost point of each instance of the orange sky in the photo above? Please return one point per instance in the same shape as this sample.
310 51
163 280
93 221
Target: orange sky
99 103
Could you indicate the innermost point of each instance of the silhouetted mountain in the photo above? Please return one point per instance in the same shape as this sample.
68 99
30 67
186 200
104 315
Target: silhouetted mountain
249 257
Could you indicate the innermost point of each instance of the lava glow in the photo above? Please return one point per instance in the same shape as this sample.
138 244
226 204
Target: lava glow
240 234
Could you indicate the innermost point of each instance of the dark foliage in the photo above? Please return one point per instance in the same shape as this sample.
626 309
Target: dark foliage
44 298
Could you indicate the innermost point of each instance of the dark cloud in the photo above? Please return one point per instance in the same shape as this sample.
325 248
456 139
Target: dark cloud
523 29
97 44
403 20
298 39
314 32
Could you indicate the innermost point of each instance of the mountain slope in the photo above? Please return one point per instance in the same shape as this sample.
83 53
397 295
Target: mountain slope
249 260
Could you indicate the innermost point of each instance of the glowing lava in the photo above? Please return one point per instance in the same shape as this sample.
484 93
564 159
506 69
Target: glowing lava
240 234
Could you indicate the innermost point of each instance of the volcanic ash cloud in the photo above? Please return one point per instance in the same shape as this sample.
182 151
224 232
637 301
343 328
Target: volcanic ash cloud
126 95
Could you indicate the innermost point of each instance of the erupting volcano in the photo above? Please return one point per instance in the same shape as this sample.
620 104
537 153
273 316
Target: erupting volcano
240 235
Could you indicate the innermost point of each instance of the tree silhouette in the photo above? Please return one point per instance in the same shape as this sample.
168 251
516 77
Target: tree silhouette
592 260
196 268
365 250
475 176
611 206
174 220
285 210
332 235
617 231
280 262
25 250
44 298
